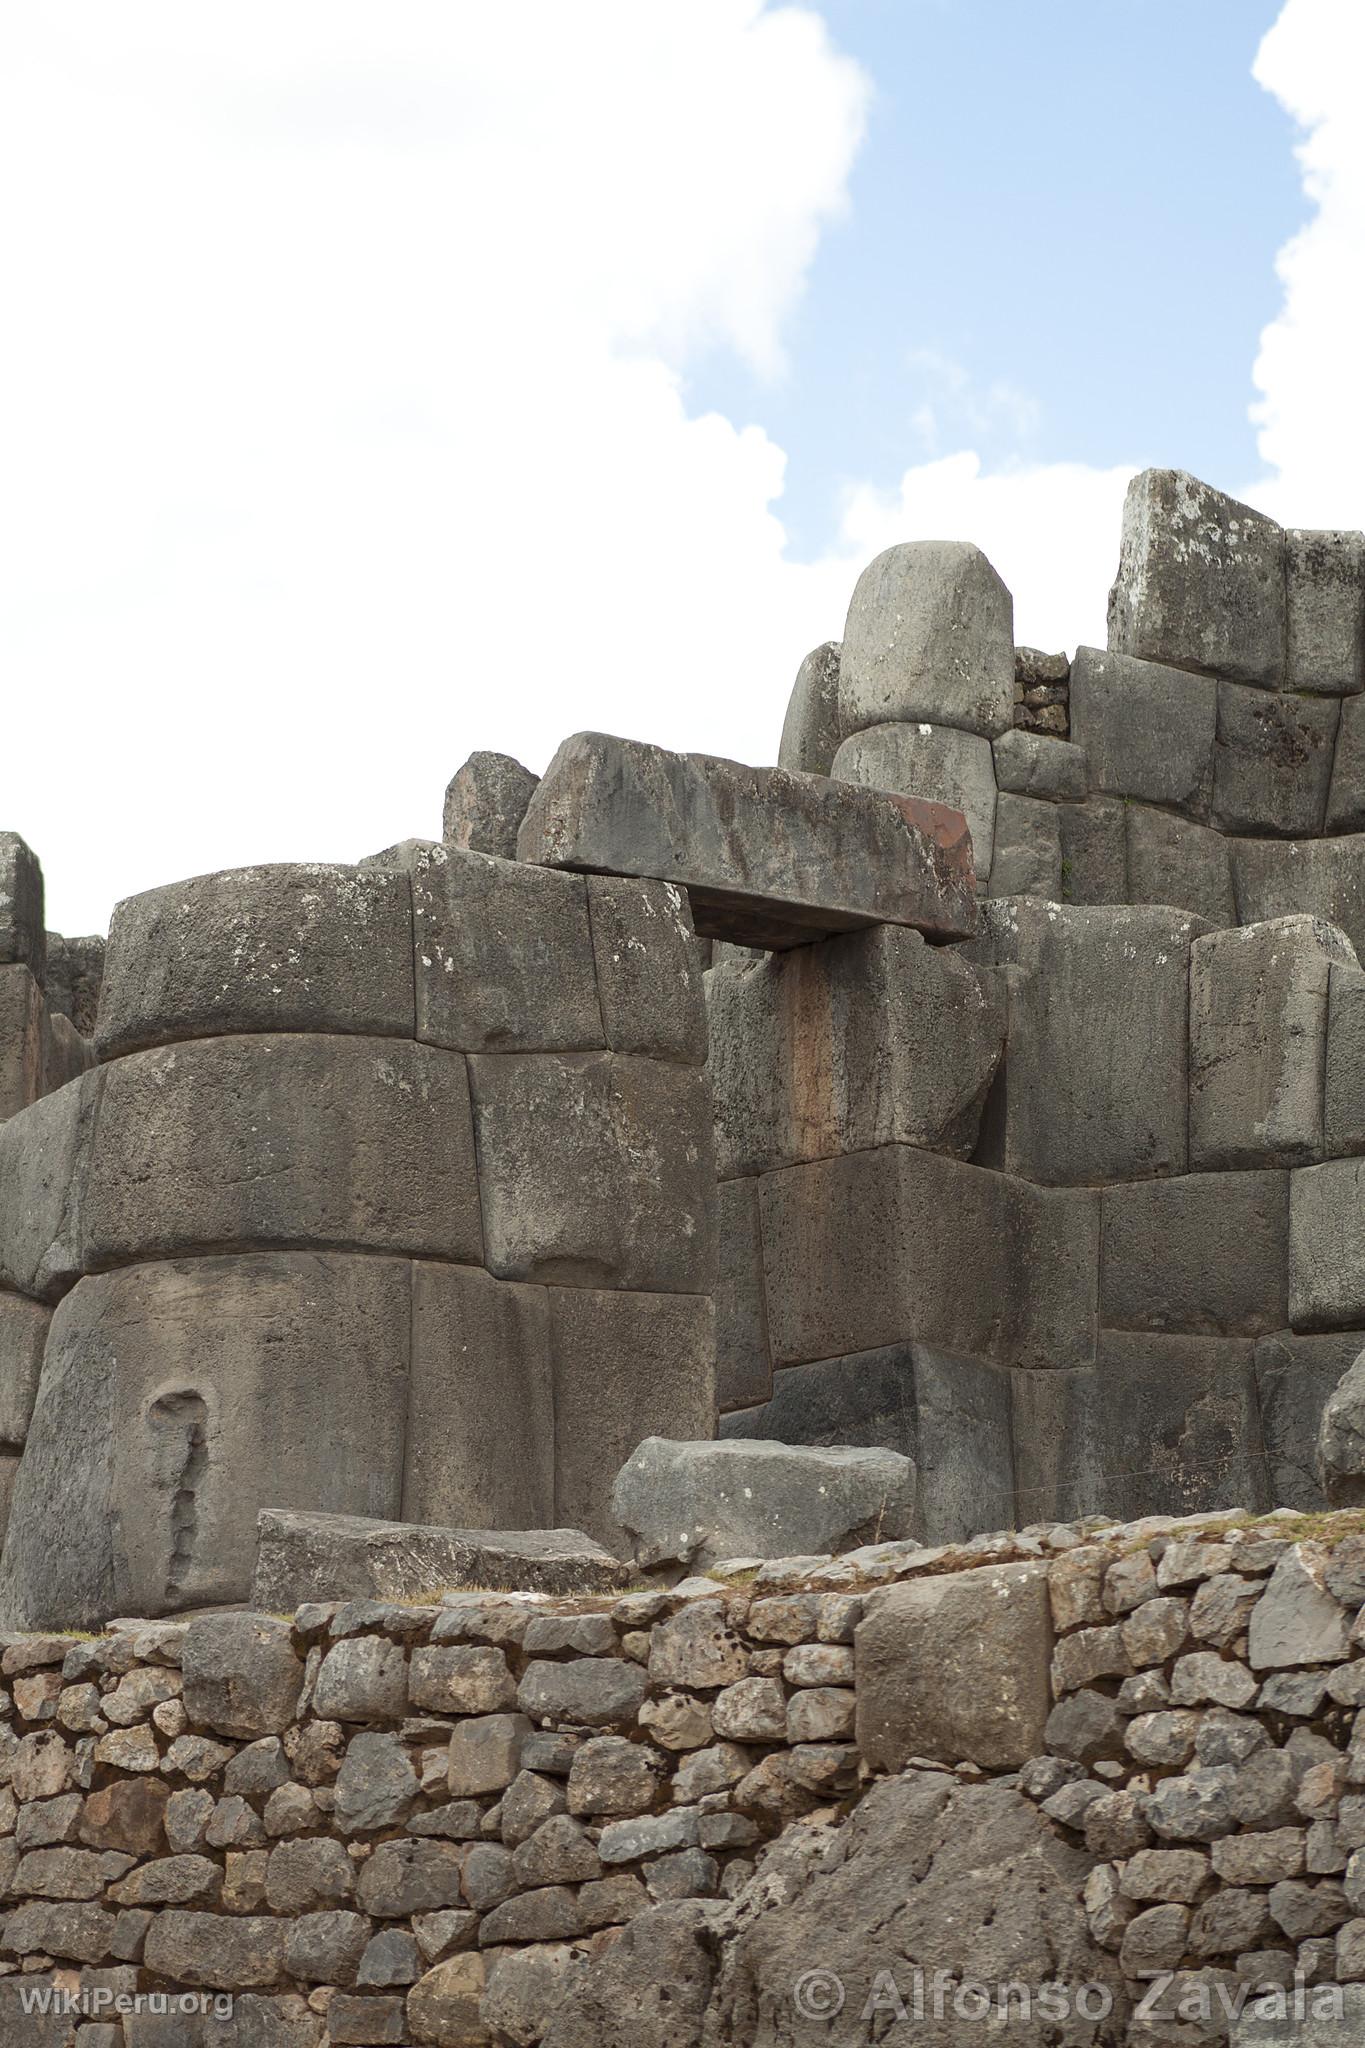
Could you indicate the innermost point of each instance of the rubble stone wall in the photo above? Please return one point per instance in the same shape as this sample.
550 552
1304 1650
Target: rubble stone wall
431 1824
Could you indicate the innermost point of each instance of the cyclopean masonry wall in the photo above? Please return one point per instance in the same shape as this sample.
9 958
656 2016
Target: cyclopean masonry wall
1123 1761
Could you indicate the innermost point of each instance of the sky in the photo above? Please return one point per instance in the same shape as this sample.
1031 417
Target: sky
383 381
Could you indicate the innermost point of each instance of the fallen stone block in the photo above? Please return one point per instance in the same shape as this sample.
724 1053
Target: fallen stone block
864 1040
283 1140
23 1333
1258 1041
767 858
956 1669
695 1503
936 762
285 948
504 955
21 1040
1327 1245
896 1244
1346 796
1027 858
1340 1461
596 1170
44 1163
23 935
485 803
1205 1254
1173 860
930 635
744 1373
1295 1375
649 969
1031 764
1148 730
1272 761
810 730
1201 581
950 1416
1325 604
626 1366
311 1556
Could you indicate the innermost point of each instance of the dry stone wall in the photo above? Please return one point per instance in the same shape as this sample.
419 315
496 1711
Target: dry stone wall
465 1822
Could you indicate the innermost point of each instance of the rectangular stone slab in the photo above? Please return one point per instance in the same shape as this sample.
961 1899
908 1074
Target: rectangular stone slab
768 858
349 1557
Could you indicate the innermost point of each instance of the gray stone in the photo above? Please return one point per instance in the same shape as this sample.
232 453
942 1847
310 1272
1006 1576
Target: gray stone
44 1164
587 1692
1173 860
743 1369
216 1950
695 1503
1272 761
1295 1377
934 762
326 1948
1340 1461
1346 796
23 1333
242 1677
748 843
1296 1620
1148 730
22 1041
649 969
596 1170
1030 764
1229 1923
402 1878
698 1647
1028 849
626 1841
559 1852
390 1958
1155 1941
443 2006
1325 600
1279 878
75 969
611 1776
284 948
1201 581
1258 1036
376 1787
937 1679
362 1679
485 802
485 1754
930 635
22 933
253 1143
77 1933
1196 1807
1343 1110
1326 1247
462 1679
810 730
1094 851
327 1557
504 956
626 1366
1205 1254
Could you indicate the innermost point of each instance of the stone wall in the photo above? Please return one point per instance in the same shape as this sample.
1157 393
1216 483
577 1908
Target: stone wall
435 1824
392 1195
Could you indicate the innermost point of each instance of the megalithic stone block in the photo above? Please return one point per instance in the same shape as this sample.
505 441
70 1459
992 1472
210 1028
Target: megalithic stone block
1272 761
649 969
177 1400
1258 1042
249 1144
1173 860
1282 878
66 1055
596 1170
485 802
21 1040
744 1373
284 948
75 970
1325 595
1294 1378
1094 851
767 858
1031 764
1327 1245
1343 1106
626 1366
480 1417
23 1333
23 936
810 731
1206 1253
1201 581
1346 797
310 1556
1027 856
930 635
44 1166
1147 729
933 761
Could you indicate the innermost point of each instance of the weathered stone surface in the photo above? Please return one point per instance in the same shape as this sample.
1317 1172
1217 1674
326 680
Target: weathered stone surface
930 635
747 843
1096 1071
364 1678
1325 602
1272 761
1201 581
504 956
1258 1036
1326 1245
810 731
1030 764
282 1141
1282 878
1173 860
743 1369
1296 1620
443 2006
698 1648
44 1162
695 1503
22 1041
626 1366
22 933
1346 796
937 1679
1094 851
65 1054
950 1415
1204 1254
75 969
649 1990
23 1333
1343 1109
217 1950
326 1947
284 948
242 1677
1028 849
596 1170
934 762
649 969
837 1233
1340 1461
587 1692
485 1755
485 802
1148 730
327 1557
